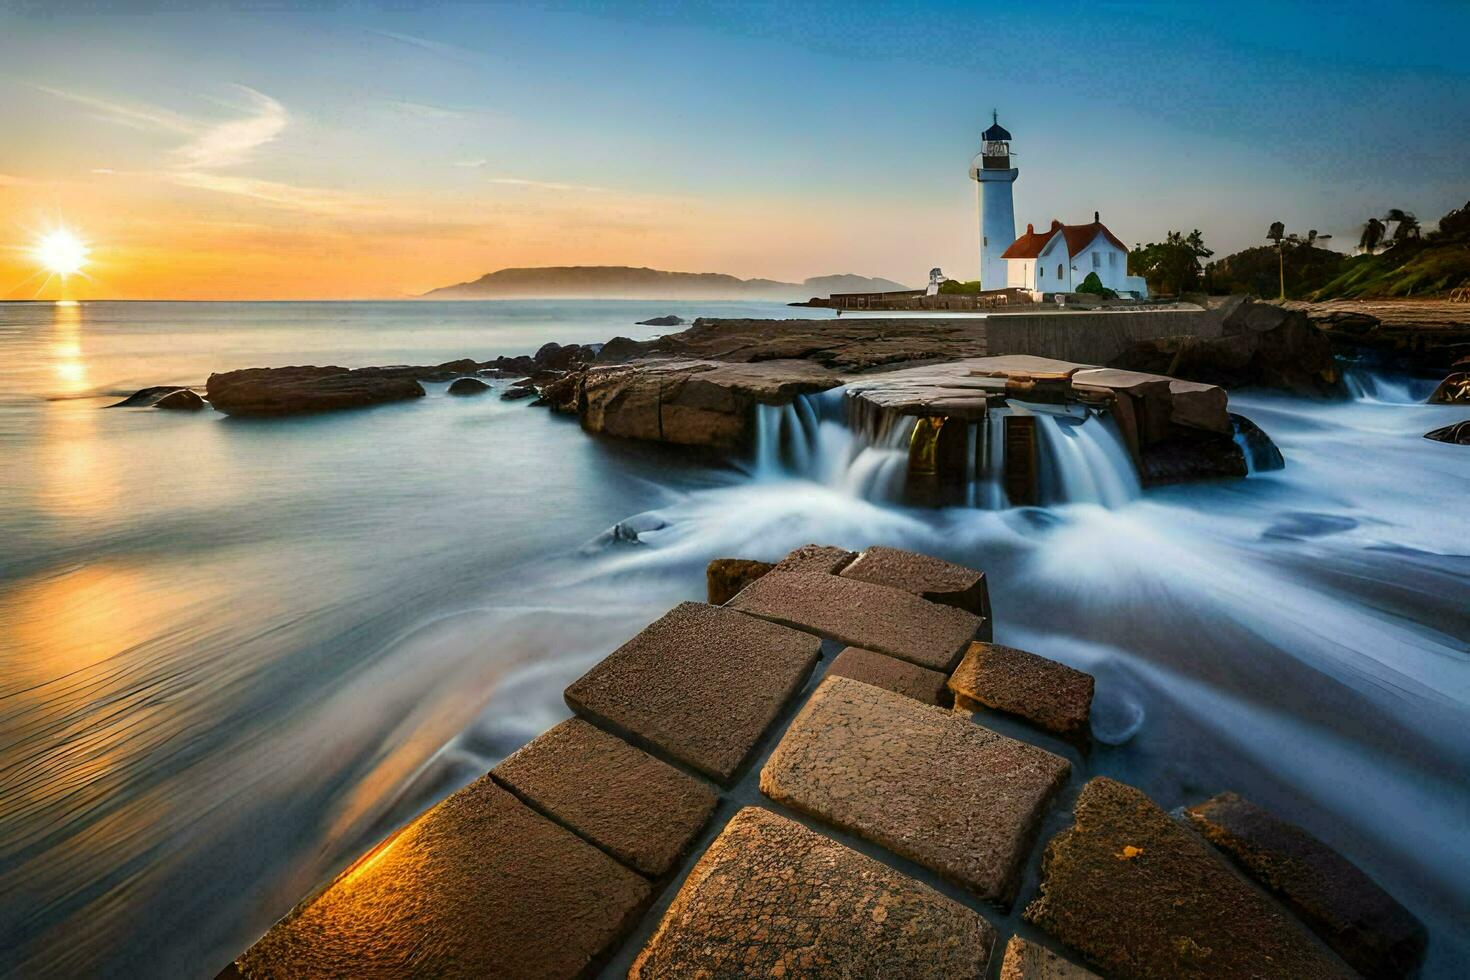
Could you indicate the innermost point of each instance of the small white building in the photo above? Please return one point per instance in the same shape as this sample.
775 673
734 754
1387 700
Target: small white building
1059 258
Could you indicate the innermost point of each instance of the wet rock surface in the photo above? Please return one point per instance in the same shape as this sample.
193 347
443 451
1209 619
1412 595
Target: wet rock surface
891 674
930 578
1049 695
148 397
181 400
305 390
640 810
467 386
1365 925
859 614
1025 960
1456 434
479 886
771 898
1142 898
701 685
725 577
926 784
1453 390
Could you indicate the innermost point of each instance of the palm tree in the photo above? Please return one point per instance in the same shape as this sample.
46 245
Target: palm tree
1407 226
1373 234
1278 236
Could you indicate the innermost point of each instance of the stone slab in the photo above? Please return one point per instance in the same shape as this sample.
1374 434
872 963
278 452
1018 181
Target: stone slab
701 685
891 674
642 811
929 786
479 886
771 898
725 577
1362 922
860 614
1140 897
1051 696
1026 960
816 558
931 578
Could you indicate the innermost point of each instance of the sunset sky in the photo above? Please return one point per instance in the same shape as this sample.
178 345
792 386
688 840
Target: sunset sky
346 151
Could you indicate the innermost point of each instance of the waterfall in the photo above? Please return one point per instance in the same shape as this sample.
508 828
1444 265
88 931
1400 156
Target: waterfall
862 451
1084 460
1380 388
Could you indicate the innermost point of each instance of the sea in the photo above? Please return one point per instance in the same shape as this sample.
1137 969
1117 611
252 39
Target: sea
235 653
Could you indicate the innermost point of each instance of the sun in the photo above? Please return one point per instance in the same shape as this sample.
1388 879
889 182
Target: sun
61 252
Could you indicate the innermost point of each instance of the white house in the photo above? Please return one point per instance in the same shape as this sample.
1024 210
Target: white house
1058 259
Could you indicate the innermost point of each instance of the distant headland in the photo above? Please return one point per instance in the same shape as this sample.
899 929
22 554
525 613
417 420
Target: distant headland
627 282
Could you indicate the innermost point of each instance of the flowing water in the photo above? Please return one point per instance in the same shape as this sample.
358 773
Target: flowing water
237 652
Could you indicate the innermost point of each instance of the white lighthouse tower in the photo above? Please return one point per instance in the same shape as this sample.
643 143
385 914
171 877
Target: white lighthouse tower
992 168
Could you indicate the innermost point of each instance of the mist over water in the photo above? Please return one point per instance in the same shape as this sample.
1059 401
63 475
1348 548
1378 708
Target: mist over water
236 653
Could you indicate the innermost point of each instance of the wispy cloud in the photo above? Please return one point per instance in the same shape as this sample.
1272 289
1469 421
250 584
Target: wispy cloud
314 199
434 47
546 185
128 114
425 110
231 142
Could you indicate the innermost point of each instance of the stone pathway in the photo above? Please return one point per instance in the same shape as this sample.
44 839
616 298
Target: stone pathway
742 796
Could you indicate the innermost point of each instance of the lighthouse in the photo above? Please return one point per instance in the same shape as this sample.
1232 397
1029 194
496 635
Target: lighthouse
992 168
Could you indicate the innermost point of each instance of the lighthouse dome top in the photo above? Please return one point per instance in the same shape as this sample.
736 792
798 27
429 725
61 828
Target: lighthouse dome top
995 133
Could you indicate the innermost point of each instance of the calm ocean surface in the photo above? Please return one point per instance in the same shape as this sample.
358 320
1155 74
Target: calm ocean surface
234 653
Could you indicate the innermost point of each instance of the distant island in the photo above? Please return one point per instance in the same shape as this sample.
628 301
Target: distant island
626 282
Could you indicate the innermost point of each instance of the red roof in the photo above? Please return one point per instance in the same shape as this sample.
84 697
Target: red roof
1078 237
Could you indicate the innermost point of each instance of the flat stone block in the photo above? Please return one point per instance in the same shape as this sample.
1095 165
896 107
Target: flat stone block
642 811
479 886
1050 695
771 898
931 578
937 789
1362 922
725 577
891 674
701 685
1140 897
859 614
822 558
1028 961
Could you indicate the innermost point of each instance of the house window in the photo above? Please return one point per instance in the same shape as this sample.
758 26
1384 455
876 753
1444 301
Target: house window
1097 260
1041 272
1113 260
1059 270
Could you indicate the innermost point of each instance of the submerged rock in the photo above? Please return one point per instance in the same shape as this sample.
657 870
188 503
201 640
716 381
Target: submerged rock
1178 460
307 389
184 399
468 386
1457 434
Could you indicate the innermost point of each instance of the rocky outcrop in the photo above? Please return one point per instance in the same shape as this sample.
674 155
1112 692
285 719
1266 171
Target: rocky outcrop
183 400
689 402
1453 390
663 321
1049 695
149 397
1407 334
1457 434
302 390
468 386
1263 345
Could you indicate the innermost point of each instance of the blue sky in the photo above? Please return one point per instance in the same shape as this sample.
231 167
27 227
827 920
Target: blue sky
758 139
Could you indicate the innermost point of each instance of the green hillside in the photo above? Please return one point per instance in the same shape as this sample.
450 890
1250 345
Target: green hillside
1429 266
